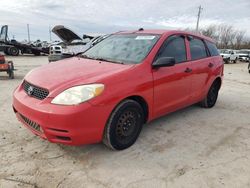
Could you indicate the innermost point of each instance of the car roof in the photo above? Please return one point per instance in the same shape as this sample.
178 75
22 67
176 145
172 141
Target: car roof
165 32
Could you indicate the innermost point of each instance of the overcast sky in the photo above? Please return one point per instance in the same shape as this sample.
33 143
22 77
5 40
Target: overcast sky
105 16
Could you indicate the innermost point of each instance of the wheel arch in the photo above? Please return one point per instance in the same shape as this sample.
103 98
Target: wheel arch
218 81
140 100
143 104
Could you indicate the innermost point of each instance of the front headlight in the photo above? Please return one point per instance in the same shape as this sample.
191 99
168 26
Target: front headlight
78 94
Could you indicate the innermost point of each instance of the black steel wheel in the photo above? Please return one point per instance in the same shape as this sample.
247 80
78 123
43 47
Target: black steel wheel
124 125
212 96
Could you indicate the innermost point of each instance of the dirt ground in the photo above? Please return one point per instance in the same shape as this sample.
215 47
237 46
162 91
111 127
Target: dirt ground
193 147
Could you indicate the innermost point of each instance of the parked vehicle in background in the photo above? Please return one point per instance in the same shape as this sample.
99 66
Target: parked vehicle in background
229 55
244 55
108 92
71 43
13 47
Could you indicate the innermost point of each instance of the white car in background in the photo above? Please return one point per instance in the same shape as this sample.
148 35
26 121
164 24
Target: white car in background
229 55
244 55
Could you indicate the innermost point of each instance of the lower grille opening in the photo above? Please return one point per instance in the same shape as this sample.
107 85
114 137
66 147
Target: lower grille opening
14 110
63 138
31 123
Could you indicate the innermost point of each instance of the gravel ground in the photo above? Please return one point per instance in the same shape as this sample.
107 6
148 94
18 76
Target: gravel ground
193 147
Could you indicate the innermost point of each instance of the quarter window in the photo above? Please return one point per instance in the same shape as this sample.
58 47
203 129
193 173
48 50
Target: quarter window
212 49
175 47
197 49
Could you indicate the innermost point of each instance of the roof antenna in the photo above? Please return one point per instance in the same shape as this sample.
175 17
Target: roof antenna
141 29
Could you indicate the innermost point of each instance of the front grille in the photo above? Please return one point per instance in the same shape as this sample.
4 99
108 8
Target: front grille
31 123
35 91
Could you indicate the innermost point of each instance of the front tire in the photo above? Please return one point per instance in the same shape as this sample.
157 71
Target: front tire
212 96
124 125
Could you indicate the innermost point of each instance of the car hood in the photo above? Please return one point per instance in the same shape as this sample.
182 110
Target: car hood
73 71
66 35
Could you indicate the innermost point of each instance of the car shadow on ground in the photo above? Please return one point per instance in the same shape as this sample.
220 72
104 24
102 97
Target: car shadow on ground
151 129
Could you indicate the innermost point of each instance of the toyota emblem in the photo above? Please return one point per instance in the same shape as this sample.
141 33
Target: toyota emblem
30 90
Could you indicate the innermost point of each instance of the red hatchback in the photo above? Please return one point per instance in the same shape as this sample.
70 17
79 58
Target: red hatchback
109 92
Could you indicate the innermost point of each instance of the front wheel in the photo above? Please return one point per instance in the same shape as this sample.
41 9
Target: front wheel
212 96
124 125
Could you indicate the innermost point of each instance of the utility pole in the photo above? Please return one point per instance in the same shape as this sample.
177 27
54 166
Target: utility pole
28 29
198 19
50 38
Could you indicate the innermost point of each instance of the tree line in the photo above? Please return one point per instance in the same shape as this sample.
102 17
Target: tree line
226 36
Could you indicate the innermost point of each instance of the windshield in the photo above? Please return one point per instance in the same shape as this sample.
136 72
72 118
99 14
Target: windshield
123 48
225 51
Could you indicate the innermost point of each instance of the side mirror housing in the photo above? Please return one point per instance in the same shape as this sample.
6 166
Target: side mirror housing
164 62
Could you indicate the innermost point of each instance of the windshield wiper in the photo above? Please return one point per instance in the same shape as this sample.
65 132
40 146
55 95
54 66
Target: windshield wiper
107 60
86 57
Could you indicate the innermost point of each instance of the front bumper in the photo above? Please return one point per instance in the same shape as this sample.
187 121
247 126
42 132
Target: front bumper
71 125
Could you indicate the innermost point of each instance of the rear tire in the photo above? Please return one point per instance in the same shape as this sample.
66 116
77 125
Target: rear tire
212 96
124 125
13 51
235 61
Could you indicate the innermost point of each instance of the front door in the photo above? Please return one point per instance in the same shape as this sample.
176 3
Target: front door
172 84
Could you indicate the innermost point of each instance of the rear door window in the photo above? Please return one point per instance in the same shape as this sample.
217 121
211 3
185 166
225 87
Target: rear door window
197 49
175 47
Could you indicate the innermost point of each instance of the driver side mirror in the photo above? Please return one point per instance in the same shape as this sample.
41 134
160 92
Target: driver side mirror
164 62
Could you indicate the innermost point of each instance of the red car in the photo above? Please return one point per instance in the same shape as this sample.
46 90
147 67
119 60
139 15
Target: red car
109 92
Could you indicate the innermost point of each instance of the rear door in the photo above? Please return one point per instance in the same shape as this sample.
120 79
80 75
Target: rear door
172 84
202 65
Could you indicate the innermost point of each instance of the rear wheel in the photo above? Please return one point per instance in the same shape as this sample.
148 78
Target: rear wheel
124 125
212 95
13 51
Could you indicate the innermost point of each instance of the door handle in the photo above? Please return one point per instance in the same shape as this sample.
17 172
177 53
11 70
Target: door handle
210 65
188 70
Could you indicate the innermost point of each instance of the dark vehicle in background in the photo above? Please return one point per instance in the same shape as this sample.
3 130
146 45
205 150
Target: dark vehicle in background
13 47
71 43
